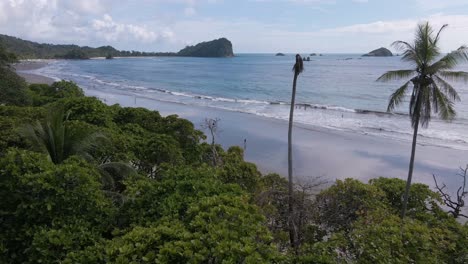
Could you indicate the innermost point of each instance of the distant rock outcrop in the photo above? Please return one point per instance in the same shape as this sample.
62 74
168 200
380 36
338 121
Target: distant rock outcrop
279 54
216 48
313 54
382 52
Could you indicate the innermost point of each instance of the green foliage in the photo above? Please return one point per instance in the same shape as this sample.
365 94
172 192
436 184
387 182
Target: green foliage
61 139
215 48
42 94
87 109
364 227
156 150
6 58
236 170
74 54
142 117
12 88
345 201
32 50
217 229
422 201
13 117
185 133
41 201
382 236
173 193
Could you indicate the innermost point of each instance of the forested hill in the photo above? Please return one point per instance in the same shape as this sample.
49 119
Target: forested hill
25 49
216 48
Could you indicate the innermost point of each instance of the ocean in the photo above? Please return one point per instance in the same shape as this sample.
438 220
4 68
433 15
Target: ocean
336 91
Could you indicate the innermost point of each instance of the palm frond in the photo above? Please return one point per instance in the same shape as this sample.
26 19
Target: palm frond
426 106
448 89
409 51
33 133
402 45
113 173
83 142
396 75
397 97
58 139
436 40
451 60
454 76
445 109
425 44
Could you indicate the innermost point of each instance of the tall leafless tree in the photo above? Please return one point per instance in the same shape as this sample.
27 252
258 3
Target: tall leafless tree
212 126
297 69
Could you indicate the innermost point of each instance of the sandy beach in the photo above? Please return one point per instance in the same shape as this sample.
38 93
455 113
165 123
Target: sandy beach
331 154
24 67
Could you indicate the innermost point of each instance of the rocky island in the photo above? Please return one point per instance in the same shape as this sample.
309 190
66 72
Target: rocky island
216 48
279 54
381 52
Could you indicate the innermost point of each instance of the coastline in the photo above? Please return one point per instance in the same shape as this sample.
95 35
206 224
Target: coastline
24 68
331 154
317 152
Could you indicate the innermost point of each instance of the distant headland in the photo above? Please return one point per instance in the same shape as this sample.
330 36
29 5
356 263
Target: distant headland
216 48
25 49
381 52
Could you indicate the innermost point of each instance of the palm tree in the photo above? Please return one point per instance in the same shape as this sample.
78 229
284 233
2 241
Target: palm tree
431 91
58 139
297 68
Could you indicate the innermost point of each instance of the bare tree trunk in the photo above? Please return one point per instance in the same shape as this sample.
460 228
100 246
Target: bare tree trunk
292 229
411 166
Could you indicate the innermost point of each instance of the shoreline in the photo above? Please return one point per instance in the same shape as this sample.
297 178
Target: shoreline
331 154
24 68
318 152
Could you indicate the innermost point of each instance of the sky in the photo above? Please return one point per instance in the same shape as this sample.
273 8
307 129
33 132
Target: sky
267 26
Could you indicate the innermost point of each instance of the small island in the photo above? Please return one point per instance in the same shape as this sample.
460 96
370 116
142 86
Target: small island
216 48
381 52
279 54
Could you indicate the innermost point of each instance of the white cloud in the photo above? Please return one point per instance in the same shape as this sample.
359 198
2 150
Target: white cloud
113 31
71 21
440 4
87 6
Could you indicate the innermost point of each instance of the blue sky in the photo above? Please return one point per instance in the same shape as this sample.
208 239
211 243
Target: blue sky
323 26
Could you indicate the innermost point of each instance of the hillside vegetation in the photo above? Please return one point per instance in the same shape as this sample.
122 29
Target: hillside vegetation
215 48
25 49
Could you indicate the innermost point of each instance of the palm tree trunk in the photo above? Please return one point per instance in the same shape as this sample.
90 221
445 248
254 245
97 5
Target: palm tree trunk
411 165
292 231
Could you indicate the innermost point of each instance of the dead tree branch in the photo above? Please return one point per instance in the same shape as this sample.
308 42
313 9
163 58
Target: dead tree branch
458 203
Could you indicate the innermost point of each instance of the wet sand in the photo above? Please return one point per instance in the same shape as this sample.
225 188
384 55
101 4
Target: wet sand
24 69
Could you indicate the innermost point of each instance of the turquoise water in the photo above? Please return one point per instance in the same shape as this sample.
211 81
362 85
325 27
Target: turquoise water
336 91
